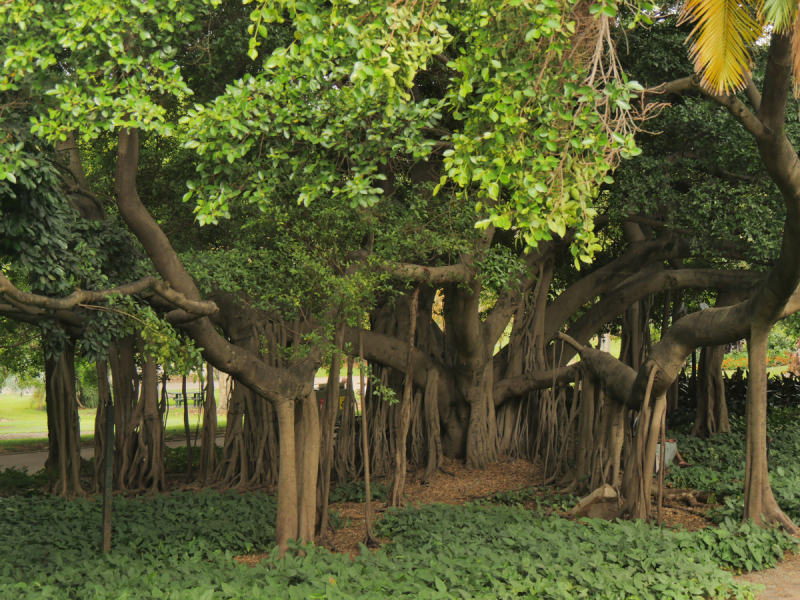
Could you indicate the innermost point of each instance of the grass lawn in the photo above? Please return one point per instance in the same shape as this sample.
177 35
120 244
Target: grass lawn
18 415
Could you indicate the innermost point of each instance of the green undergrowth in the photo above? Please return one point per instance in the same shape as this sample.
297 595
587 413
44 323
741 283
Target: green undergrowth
357 492
541 495
718 465
19 482
181 546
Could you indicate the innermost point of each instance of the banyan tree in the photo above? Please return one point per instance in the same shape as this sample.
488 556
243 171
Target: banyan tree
420 186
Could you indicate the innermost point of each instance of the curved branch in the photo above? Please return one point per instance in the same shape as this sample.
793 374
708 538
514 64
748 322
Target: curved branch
606 278
641 286
389 351
77 297
276 385
534 380
736 107
432 275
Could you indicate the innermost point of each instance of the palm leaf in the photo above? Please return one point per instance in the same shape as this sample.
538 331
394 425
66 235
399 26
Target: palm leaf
780 13
720 41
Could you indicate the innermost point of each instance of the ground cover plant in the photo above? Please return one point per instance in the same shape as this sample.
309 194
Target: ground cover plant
181 546
718 463
356 492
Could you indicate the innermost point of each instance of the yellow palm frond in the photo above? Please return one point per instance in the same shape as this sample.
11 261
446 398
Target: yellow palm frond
796 56
720 41
781 13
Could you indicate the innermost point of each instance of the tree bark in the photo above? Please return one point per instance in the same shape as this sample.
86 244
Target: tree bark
431 400
100 441
64 424
187 429
286 527
328 424
711 417
307 455
208 447
396 494
759 502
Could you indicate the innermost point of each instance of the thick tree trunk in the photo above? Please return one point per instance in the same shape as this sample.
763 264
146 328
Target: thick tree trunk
143 459
125 384
638 479
286 526
712 410
759 502
64 424
482 432
307 446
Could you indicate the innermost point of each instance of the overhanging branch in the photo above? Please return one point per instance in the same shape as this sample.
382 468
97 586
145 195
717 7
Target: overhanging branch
736 107
195 307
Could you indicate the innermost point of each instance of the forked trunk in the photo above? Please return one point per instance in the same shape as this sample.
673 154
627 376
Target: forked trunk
637 482
712 410
63 424
233 467
143 463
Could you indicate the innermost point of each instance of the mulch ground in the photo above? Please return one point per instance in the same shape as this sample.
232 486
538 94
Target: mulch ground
457 485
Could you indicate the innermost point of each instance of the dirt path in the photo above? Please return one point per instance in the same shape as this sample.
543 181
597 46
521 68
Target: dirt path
782 582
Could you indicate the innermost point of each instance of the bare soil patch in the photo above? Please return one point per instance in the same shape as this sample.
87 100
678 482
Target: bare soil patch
457 485
781 583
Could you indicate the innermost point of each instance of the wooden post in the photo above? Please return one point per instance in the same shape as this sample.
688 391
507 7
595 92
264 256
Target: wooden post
108 484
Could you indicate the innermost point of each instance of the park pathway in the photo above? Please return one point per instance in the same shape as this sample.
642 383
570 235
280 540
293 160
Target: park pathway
782 582
34 461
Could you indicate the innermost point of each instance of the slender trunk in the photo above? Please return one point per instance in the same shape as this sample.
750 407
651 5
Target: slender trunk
434 427
369 538
187 430
108 479
100 440
208 448
286 519
399 483
328 424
